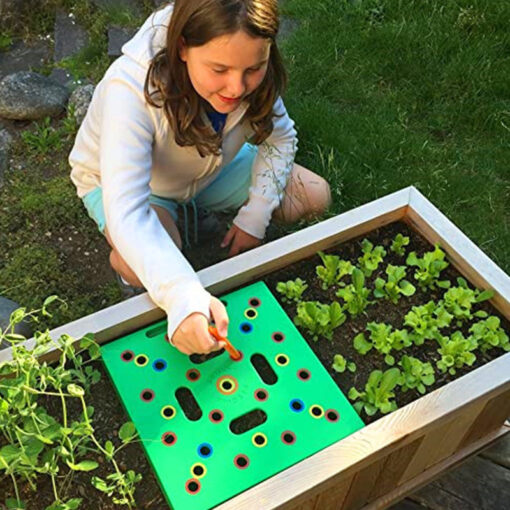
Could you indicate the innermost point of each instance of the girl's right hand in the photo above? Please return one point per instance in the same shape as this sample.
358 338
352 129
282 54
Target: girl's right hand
192 335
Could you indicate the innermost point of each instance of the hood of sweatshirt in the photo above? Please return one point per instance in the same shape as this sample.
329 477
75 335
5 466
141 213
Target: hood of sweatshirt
151 37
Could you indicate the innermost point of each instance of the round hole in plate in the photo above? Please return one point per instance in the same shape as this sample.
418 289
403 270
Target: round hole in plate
259 439
216 416
147 395
241 461
193 486
159 365
250 313
288 437
332 415
169 438
317 411
127 356
198 470
168 412
193 374
254 301
278 336
141 360
246 327
304 374
205 450
261 394
297 405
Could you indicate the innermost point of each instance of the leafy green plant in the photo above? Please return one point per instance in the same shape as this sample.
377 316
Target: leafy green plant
292 290
397 246
488 334
43 139
456 351
429 268
340 364
333 270
383 340
395 286
319 319
355 295
378 392
415 374
459 301
35 443
371 258
426 320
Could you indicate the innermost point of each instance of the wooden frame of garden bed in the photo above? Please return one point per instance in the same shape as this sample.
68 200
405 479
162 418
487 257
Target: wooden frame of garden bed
402 451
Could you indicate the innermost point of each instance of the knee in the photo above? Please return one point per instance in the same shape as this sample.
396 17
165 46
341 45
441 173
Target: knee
320 198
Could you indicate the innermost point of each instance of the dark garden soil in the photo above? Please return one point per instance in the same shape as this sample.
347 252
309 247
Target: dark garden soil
109 414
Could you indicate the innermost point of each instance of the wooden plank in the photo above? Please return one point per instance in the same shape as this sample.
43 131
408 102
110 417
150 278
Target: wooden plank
376 441
140 311
477 484
492 416
437 470
442 441
466 257
499 452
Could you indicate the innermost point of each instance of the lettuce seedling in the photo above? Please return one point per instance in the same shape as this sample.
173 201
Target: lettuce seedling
425 321
378 392
397 246
383 340
319 319
292 290
355 295
415 374
340 364
459 301
429 268
455 352
371 257
395 286
333 270
488 334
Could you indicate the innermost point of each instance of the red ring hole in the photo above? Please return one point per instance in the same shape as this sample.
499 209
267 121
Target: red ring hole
288 437
240 357
278 336
332 415
193 375
168 438
127 356
193 486
216 416
147 395
254 302
261 395
304 374
241 461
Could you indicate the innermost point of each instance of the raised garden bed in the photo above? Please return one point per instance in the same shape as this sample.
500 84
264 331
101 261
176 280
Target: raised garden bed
400 451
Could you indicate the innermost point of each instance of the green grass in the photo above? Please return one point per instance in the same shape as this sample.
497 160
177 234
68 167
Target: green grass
385 94
392 93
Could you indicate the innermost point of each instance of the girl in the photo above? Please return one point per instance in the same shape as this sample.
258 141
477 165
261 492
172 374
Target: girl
169 124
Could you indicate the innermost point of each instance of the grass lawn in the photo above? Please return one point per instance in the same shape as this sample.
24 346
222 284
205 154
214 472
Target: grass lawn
385 94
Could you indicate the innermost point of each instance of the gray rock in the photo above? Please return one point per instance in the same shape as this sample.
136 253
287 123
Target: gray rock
80 100
6 308
117 36
22 57
70 38
5 144
27 96
62 76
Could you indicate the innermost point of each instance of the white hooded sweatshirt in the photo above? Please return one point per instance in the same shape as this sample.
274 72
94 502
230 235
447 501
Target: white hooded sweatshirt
127 147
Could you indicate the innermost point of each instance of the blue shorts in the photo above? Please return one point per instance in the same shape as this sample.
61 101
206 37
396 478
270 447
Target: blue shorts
227 192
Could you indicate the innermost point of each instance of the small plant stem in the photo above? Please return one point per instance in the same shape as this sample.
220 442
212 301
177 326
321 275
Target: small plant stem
54 485
16 491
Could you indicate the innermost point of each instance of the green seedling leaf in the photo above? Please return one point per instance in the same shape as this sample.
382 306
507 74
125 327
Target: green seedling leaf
371 258
84 465
14 504
429 268
75 390
361 344
291 290
397 246
127 432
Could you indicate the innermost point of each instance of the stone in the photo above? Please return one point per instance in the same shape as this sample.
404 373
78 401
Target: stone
5 144
117 37
70 38
27 96
6 308
24 57
80 100
62 76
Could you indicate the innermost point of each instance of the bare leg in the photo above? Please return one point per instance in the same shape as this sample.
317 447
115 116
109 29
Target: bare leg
120 265
307 196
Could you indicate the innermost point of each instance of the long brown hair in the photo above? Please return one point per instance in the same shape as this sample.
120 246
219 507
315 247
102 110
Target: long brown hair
168 85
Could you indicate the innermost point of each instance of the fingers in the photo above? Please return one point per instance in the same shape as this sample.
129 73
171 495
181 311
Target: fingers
192 336
220 316
228 237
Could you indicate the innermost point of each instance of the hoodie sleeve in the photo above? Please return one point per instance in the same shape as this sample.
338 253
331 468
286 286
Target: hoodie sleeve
127 134
271 170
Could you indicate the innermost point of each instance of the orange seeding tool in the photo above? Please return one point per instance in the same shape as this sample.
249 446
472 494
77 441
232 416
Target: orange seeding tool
234 353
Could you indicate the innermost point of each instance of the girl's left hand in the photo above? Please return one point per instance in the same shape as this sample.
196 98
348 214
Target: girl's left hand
239 241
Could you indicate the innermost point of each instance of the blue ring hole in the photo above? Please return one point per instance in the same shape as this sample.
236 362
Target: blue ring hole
159 365
245 327
297 405
205 450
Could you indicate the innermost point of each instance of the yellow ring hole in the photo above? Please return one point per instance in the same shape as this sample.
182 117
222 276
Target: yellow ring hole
198 465
227 391
138 362
251 313
263 436
319 416
282 362
168 417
